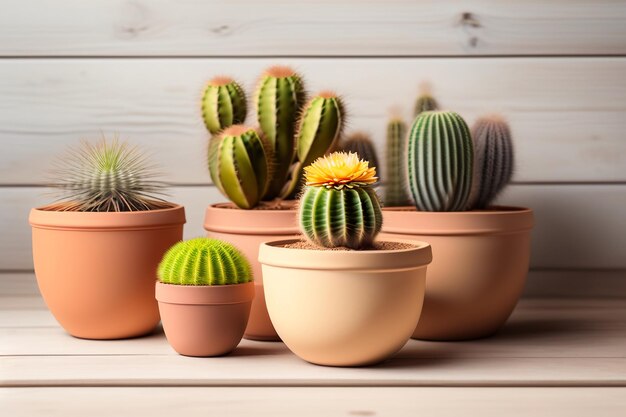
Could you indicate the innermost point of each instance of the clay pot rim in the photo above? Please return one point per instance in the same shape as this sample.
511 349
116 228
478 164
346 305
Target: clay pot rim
493 220
125 220
224 218
273 254
204 294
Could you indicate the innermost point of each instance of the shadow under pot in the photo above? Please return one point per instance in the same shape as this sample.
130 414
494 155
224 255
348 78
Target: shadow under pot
96 270
344 307
246 230
480 264
204 320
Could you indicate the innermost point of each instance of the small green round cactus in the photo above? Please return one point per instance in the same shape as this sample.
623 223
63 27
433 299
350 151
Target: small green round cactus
339 208
361 144
396 188
204 261
425 102
223 104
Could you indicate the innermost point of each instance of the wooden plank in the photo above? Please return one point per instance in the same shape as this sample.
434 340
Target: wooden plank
577 226
338 27
566 114
313 402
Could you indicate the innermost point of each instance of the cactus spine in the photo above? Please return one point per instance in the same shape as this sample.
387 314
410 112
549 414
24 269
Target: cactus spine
361 144
425 102
204 261
396 189
239 165
223 104
440 158
339 207
280 97
493 159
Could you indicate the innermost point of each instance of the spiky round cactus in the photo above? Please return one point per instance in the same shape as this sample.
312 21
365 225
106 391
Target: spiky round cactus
440 157
425 102
396 188
493 159
279 98
361 144
238 161
339 207
204 261
223 104
319 128
107 176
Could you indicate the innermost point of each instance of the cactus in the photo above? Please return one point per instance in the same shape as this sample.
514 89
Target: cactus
223 104
339 207
319 128
493 159
396 189
238 161
425 102
440 157
279 100
105 177
204 261
361 144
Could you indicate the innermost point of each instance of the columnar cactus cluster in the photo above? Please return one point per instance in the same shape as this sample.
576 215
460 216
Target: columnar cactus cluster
361 144
425 102
396 188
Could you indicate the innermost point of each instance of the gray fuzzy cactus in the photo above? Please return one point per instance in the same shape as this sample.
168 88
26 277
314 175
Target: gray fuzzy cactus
279 98
238 162
204 261
425 102
361 144
223 104
396 188
493 160
440 162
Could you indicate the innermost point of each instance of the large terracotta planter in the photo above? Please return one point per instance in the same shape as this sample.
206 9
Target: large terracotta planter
247 229
344 308
204 320
480 264
96 271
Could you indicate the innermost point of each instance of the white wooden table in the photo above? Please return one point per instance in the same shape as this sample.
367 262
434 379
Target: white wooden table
555 357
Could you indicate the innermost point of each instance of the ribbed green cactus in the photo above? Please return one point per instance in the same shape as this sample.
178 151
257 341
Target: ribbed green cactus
361 144
396 188
339 207
440 157
493 159
223 104
279 98
107 176
204 261
238 161
425 102
319 128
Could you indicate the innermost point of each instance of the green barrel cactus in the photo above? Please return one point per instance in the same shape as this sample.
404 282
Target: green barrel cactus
361 144
339 208
204 261
396 188
238 162
493 159
279 98
223 104
440 161
425 102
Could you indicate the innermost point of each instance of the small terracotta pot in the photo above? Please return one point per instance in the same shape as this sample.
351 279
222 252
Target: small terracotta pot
247 229
96 271
204 320
480 264
344 308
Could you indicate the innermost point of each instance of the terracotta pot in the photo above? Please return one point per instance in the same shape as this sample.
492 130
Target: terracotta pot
96 271
480 263
344 308
247 229
204 320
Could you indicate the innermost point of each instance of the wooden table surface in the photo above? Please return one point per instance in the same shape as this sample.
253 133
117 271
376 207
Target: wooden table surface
554 357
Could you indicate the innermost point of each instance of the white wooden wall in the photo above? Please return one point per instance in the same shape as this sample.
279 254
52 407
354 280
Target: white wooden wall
556 69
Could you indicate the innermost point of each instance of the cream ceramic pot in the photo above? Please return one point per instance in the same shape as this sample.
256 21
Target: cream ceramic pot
480 264
344 308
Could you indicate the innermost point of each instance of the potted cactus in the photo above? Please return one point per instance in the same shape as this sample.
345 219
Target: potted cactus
481 252
341 298
97 248
260 169
361 144
205 291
